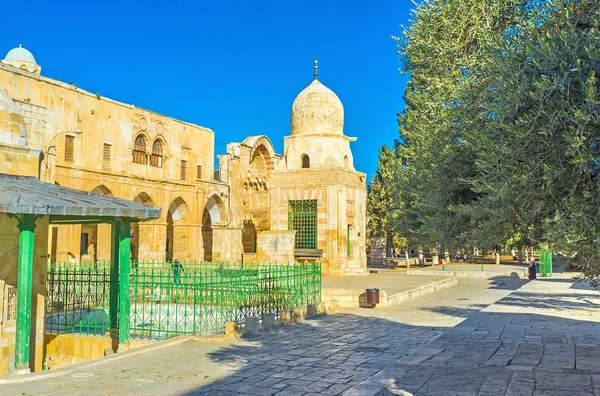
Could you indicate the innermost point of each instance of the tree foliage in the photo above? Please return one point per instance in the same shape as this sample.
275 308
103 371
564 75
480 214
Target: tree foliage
500 138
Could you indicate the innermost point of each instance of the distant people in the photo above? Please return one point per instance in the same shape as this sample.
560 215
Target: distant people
532 274
177 270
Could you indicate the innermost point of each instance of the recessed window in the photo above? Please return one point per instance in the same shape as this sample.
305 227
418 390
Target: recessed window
84 247
69 148
305 161
106 156
157 154
199 172
139 149
183 174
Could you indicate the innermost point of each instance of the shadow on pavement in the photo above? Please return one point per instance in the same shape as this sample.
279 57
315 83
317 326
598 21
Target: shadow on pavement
488 353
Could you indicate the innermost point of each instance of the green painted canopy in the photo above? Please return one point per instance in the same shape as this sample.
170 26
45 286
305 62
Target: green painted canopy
28 195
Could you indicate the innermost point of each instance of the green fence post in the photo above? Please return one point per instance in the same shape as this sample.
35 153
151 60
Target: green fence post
124 272
24 288
114 275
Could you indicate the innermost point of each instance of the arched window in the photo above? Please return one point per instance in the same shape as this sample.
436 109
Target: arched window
305 161
139 149
346 162
157 154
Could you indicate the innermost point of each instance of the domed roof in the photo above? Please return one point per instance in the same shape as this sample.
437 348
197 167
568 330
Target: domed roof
12 125
317 110
20 54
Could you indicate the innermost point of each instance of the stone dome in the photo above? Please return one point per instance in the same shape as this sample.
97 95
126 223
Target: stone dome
317 110
20 54
12 125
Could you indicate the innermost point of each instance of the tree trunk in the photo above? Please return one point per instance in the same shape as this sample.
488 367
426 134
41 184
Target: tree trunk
447 257
520 257
421 258
497 257
407 256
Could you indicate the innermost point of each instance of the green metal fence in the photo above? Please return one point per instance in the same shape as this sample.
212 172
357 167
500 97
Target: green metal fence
169 299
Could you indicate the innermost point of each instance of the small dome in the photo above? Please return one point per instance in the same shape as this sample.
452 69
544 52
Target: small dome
12 125
20 54
317 110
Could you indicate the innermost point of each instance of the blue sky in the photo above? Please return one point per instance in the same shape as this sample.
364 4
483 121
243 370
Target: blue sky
232 66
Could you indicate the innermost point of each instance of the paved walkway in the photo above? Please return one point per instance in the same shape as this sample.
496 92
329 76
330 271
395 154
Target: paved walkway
476 338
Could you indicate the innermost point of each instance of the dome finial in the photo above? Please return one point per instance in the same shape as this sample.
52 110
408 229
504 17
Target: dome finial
316 66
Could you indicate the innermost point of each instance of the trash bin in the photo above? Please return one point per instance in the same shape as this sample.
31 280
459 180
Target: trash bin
373 296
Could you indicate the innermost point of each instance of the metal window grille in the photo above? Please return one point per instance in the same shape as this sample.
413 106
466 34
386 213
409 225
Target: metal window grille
157 154
302 218
199 172
183 170
106 156
10 293
139 150
69 148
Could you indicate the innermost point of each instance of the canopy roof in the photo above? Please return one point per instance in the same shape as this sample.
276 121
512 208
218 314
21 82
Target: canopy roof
28 195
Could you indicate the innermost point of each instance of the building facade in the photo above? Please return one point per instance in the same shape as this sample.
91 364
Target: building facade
307 204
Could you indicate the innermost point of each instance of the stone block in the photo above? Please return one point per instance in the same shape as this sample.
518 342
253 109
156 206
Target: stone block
251 325
298 313
231 328
285 317
311 310
268 320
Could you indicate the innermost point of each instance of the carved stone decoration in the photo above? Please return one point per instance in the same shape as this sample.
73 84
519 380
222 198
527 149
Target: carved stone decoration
317 110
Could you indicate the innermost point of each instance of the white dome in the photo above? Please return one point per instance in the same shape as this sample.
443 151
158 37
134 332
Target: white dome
20 54
317 110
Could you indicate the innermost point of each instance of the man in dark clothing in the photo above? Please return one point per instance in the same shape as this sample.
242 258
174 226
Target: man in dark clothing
177 269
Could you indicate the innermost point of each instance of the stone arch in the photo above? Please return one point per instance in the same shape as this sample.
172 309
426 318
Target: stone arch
102 190
261 147
176 242
136 238
144 198
216 209
214 213
305 161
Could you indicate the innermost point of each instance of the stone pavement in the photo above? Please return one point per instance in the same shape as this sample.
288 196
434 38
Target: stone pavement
541 338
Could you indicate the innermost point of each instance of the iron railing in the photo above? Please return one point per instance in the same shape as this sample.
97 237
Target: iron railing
169 299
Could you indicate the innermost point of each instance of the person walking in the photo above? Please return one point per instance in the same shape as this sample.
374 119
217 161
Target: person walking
532 273
177 269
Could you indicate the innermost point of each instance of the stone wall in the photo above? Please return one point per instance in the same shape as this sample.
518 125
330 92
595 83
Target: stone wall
275 246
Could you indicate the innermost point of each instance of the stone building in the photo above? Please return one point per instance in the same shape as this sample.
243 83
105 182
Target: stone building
306 204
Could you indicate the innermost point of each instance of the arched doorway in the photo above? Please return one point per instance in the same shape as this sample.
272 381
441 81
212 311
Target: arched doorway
214 214
249 237
176 242
207 235
145 199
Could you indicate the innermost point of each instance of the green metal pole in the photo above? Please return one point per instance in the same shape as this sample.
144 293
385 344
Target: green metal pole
114 275
124 271
24 289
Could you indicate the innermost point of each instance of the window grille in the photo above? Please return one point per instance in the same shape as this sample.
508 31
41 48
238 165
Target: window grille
139 150
69 148
199 172
183 170
10 293
106 156
302 218
157 154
